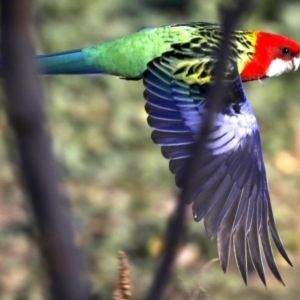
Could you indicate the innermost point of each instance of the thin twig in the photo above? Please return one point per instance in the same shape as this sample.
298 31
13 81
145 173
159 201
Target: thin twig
230 17
27 117
123 288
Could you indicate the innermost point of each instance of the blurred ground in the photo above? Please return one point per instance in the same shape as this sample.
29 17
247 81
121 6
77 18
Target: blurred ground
120 188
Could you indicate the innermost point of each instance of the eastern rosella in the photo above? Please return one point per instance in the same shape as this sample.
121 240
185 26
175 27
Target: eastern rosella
176 64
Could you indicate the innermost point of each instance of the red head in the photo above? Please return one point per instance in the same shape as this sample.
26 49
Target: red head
273 55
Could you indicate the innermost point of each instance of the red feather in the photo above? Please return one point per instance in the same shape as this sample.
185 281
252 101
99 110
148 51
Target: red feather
268 48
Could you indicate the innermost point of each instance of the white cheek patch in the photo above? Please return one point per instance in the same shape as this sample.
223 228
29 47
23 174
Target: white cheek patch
279 66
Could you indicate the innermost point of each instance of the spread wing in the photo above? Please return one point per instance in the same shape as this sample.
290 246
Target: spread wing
229 190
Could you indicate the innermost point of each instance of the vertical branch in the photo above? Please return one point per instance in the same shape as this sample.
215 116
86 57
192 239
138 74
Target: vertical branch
27 117
230 16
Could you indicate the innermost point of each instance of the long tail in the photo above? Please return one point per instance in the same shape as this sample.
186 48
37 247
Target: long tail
70 62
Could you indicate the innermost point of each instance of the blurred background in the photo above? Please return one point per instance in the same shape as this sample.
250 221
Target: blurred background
120 188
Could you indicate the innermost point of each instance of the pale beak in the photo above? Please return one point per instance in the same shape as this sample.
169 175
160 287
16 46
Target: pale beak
296 62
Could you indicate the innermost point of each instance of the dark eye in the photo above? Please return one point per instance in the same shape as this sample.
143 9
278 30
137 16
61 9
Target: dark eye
286 51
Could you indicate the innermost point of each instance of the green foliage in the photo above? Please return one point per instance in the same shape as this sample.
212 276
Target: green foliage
119 184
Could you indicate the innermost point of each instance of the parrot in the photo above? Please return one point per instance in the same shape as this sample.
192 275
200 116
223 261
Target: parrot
177 66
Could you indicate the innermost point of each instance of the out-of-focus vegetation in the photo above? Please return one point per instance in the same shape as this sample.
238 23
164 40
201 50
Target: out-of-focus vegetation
119 184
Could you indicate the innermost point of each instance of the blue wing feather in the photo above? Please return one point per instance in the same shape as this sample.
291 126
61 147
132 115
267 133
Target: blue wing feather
229 190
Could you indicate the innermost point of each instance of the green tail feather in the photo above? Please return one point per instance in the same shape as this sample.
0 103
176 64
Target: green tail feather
67 63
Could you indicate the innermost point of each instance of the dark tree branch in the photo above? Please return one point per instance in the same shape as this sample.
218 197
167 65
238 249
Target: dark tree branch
230 17
27 118
167 6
